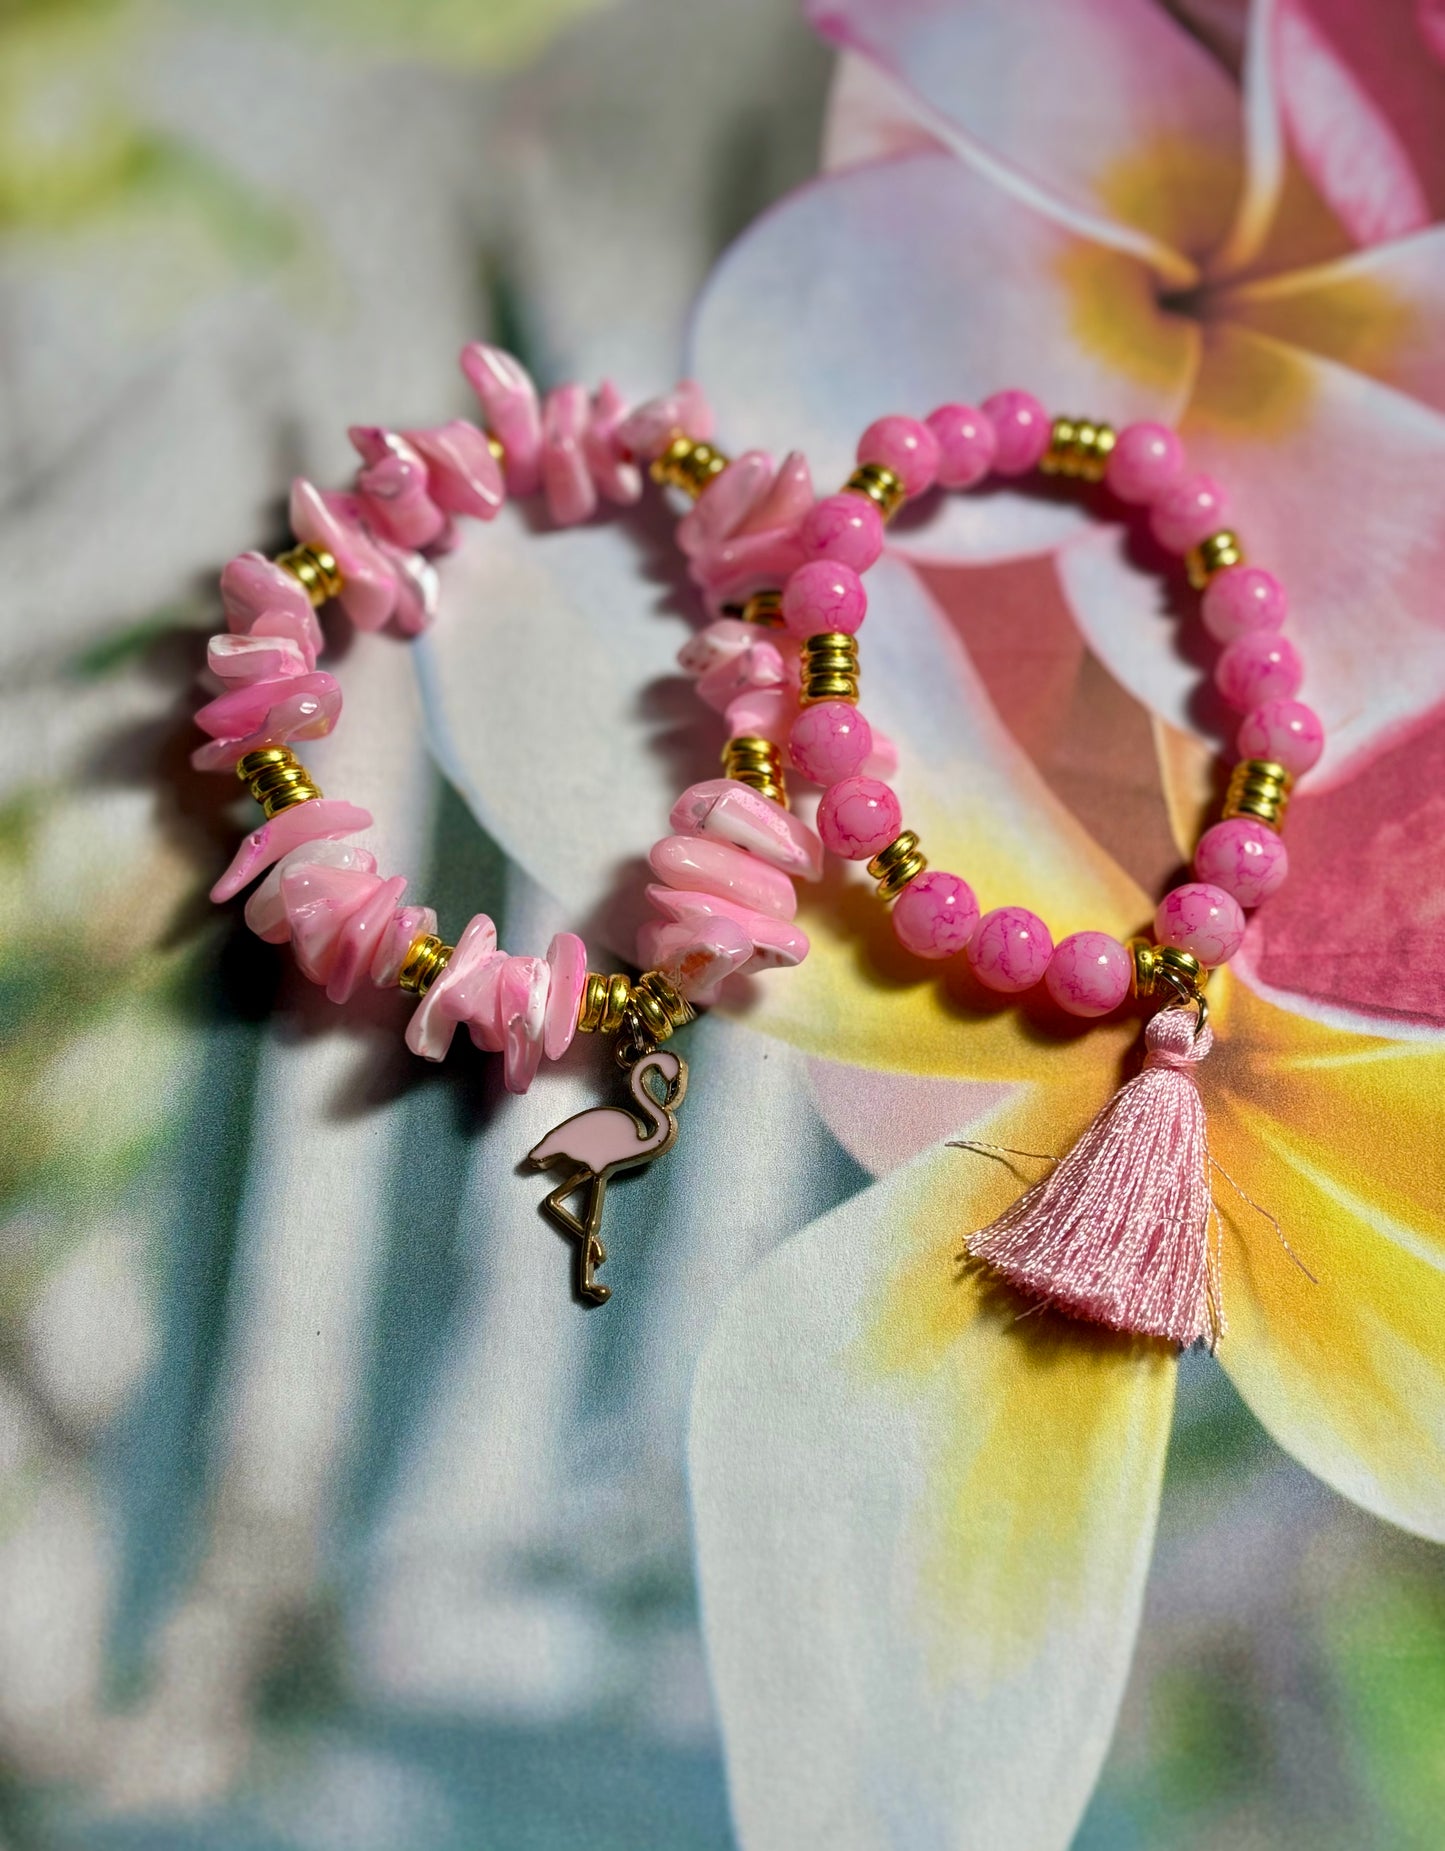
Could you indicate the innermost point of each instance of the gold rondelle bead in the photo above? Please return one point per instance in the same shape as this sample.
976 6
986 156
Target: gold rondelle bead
603 1003
655 1008
893 867
1258 788
314 569
757 763
687 464
1211 556
425 960
1079 449
276 778
882 486
765 608
829 668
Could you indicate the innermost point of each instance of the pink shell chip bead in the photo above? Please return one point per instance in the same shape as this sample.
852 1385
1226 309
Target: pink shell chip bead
463 477
727 811
935 915
1146 461
1201 919
1089 973
567 960
907 447
266 911
255 589
694 864
857 817
567 481
513 414
1022 430
829 741
303 822
1242 600
776 944
1010 949
522 1016
449 999
408 923
847 529
1244 857
616 479
696 954
318 518
1286 732
966 444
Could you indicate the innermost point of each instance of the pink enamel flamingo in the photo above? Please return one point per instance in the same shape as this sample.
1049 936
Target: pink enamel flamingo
596 1144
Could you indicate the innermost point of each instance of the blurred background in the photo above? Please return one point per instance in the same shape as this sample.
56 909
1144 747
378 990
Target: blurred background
323 1521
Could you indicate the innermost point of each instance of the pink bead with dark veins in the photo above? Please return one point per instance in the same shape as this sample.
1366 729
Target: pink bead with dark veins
966 444
904 445
935 915
1010 949
847 529
1263 666
824 595
1022 430
1201 919
1089 974
1187 513
1145 463
1286 732
1241 600
857 817
1244 857
829 741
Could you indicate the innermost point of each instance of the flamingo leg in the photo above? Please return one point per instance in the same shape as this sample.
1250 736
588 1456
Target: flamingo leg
583 1228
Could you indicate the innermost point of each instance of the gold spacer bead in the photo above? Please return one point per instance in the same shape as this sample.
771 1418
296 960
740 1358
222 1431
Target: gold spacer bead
426 958
758 763
765 608
1202 562
687 464
495 445
276 778
314 569
1079 449
880 484
829 668
655 1009
1258 788
893 867
603 1003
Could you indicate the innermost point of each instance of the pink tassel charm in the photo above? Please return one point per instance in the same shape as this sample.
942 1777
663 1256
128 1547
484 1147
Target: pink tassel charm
1118 1233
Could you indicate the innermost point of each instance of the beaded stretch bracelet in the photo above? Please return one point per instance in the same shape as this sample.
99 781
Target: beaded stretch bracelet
1138 1258
370 552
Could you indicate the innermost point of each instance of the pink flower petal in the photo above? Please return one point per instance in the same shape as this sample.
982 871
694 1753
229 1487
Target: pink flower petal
981 292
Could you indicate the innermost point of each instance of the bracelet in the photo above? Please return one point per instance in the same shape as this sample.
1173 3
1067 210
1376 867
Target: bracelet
371 551
1119 1233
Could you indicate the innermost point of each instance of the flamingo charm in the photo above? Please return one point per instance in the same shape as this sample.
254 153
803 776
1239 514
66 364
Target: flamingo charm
596 1144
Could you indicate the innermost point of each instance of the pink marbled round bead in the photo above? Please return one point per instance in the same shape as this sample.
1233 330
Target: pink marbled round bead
1246 859
1240 601
1287 732
1202 920
1188 513
1089 973
824 595
966 444
1010 949
1264 666
1021 428
906 447
857 817
1146 461
830 740
935 915
845 528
